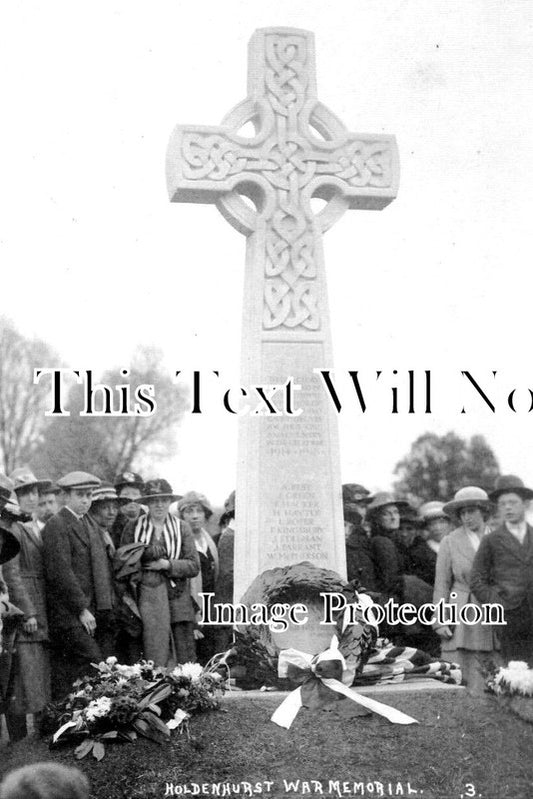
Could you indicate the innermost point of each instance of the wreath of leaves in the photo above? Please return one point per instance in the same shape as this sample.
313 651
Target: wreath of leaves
301 582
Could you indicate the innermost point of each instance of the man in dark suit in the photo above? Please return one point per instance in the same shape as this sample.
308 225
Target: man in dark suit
72 583
503 568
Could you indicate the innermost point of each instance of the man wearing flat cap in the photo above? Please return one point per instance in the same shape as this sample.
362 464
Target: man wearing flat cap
76 590
503 568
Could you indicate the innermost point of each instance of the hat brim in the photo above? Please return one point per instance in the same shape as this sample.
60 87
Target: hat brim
80 487
128 500
455 506
103 499
400 503
432 516
525 493
360 501
148 497
39 484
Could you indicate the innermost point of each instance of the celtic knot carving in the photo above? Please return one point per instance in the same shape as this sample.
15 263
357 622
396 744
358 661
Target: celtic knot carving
290 306
293 164
287 73
365 164
215 157
291 259
289 163
211 157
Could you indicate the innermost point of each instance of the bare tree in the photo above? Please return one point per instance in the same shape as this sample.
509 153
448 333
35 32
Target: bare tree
107 445
22 404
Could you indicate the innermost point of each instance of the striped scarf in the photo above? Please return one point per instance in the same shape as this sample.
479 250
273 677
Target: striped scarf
144 532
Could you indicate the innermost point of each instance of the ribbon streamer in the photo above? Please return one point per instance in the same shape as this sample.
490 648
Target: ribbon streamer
318 673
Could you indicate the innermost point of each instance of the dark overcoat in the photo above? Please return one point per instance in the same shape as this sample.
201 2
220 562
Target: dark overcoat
359 561
421 561
226 555
386 565
503 569
68 570
24 575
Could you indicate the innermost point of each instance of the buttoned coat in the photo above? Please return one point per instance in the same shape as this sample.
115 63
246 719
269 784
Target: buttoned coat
453 571
503 569
68 570
24 575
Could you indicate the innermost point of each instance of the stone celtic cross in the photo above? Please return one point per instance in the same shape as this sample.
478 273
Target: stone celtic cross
288 468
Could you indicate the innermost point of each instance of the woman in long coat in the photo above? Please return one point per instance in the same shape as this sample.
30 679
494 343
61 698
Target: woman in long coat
24 576
168 560
465 644
194 508
9 548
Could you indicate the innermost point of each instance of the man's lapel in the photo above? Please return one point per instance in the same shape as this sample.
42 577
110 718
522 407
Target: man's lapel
75 526
528 543
513 544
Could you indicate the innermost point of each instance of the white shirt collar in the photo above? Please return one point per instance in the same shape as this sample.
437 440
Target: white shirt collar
475 539
518 530
200 539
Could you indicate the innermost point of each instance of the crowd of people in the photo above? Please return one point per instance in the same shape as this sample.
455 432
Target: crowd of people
92 569
476 548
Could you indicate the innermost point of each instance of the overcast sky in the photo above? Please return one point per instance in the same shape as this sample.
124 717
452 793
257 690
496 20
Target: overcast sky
97 261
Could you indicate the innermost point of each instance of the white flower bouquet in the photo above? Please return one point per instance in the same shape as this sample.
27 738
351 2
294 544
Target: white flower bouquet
119 703
513 685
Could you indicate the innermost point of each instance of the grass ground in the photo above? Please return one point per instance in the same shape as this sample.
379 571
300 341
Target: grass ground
462 747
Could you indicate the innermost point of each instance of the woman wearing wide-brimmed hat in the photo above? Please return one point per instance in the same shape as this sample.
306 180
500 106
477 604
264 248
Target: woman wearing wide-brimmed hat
465 644
384 516
194 508
167 561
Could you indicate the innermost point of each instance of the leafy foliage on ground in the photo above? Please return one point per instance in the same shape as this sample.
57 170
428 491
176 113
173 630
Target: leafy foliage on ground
460 740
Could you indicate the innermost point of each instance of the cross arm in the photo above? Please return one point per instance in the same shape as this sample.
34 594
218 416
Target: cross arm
205 162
